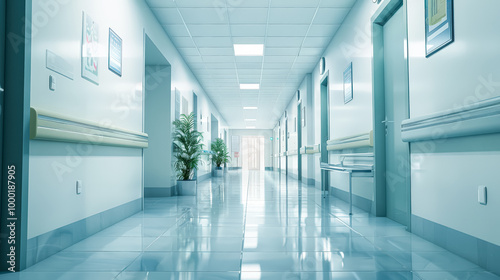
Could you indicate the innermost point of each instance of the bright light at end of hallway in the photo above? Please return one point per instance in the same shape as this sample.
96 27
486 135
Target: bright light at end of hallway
248 49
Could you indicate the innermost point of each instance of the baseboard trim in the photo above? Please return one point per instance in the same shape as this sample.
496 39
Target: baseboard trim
160 192
478 251
50 243
269 169
234 168
204 177
357 201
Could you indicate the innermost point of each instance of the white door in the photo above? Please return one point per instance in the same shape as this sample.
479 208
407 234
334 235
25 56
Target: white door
396 110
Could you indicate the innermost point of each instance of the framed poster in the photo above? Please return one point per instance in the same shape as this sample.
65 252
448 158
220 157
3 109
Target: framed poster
90 49
348 96
115 55
438 25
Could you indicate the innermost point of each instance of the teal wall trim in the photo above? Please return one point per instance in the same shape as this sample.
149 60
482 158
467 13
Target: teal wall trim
204 177
308 181
48 244
14 218
160 192
357 201
480 252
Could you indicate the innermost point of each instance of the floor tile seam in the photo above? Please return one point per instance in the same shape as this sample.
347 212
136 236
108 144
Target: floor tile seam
361 235
244 226
157 238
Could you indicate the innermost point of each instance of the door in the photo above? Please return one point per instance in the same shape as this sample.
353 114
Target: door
252 153
325 132
396 110
298 124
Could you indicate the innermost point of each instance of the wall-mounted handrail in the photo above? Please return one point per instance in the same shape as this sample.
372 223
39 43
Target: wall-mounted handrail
477 119
49 126
351 142
314 149
292 152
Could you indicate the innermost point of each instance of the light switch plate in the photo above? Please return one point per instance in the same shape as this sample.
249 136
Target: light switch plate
79 187
482 195
52 83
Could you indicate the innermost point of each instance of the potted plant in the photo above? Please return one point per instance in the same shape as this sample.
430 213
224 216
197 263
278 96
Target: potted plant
187 151
220 155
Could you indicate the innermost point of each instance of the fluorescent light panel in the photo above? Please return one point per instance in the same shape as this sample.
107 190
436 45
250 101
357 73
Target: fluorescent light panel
250 127
248 49
250 108
249 86
250 120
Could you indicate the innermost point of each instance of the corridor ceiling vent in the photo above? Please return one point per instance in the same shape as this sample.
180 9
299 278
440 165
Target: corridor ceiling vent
248 49
249 86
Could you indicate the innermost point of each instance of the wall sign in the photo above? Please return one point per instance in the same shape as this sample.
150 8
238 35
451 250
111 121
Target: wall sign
438 25
348 87
90 49
115 55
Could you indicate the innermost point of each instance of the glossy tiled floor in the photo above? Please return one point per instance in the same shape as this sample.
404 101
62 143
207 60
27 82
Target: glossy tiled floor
252 225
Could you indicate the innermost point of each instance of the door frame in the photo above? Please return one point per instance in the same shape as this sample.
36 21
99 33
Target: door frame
299 138
383 14
325 176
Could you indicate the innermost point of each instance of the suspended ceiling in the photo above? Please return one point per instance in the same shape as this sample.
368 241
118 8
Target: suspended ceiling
295 34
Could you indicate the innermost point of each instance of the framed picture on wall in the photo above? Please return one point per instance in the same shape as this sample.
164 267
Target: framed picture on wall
348 95
438 25
115 53
90 49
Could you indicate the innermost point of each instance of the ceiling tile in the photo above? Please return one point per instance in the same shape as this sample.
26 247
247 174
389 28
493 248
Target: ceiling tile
167 16
314 42
218 58
209 30
183 42
160 4
282 42
281 51
216 51
323 30
178 30
248 16
203 16
295 3
337 3
291 15
311 51
213 42
280 30
330 15
248 30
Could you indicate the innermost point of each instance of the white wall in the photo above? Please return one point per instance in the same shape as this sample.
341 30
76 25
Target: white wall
111 176
268 145
446 174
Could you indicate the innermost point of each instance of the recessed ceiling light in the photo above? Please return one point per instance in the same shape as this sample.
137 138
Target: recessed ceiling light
250 108
250 127
249 86
249 49
250 120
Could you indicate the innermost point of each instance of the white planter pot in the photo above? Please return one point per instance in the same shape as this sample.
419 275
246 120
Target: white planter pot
219 172
187 187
